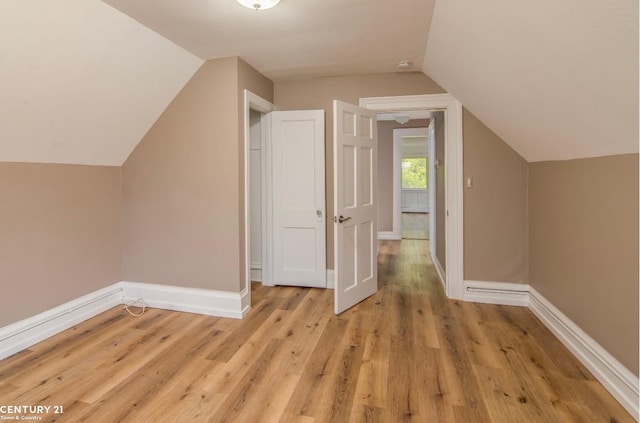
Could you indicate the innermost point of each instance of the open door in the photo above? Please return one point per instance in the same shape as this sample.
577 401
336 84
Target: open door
355 202
298 209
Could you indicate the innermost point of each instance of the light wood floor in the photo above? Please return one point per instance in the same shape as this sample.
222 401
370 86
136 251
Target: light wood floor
405 354
415 225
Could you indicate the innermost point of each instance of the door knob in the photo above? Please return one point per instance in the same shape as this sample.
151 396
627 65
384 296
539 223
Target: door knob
343 219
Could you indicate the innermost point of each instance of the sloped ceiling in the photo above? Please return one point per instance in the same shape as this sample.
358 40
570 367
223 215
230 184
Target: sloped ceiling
81 83
555 79
297 38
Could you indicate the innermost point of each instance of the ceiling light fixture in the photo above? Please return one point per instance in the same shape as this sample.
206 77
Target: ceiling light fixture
258 4
401 118
404 64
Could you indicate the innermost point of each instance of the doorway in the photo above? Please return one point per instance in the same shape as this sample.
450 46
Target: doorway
284 195
284 199
451 270
411 157
256 203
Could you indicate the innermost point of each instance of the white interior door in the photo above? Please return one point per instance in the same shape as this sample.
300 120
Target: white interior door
355 192
299 239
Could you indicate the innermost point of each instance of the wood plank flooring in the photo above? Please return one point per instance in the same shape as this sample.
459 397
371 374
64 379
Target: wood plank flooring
406 354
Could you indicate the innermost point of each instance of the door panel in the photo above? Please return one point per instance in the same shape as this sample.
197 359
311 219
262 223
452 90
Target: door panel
355 182
299 241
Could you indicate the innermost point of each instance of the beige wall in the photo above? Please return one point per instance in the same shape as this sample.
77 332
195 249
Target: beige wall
441 239
385 168
60 227
497 266
584 246
181 186
319 93
495 208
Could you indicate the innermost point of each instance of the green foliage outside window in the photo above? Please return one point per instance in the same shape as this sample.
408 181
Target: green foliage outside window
414 173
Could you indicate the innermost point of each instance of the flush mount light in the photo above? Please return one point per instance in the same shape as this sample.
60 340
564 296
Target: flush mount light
401 118
258 4
404 64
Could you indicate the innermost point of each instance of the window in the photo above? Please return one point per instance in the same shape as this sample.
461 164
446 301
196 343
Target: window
414 173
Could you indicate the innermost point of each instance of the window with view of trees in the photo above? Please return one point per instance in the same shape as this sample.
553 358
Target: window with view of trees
414 173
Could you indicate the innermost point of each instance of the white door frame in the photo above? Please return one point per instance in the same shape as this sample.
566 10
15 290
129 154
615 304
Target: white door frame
257 103
398 133
432 181
454 204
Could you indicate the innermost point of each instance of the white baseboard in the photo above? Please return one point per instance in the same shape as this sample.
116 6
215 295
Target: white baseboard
616 378
389 236
515 294
245 301
25 333
331 279
190 300
439 269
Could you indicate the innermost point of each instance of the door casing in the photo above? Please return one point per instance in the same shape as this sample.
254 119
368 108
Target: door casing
454 202
259 104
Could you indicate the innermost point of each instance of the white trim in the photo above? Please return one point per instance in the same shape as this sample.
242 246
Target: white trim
514 294
387 235
255 102
331 279
434 259
25 333
245 303
190 300
617 379
267 202
621 383
396 226
432 187
454 201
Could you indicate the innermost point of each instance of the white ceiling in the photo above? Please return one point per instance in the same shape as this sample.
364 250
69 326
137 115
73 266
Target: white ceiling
554 79
297 38
81 83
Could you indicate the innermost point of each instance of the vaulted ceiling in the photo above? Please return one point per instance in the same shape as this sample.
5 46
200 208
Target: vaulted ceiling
556 79
82 81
